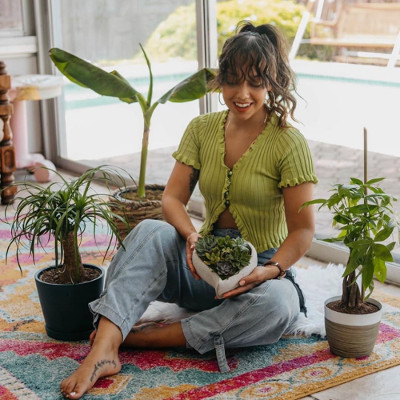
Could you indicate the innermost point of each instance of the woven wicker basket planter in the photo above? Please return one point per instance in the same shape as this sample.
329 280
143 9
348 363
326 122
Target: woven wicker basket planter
136 209
352 335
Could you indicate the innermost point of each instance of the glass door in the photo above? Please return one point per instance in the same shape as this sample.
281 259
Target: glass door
102 129
337 98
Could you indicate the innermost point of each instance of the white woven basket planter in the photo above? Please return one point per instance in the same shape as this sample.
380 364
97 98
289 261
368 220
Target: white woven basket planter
352 335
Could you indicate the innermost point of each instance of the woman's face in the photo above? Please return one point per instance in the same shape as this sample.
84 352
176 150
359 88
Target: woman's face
245 98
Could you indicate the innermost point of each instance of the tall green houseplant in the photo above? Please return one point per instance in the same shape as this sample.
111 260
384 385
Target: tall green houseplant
364 214
115 85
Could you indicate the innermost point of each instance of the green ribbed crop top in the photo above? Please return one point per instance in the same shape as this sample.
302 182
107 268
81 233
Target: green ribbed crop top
279 157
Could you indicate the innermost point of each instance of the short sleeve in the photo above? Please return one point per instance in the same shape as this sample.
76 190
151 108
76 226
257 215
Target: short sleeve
296 164
189 148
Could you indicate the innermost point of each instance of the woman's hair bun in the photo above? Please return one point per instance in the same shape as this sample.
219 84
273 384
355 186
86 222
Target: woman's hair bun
265 29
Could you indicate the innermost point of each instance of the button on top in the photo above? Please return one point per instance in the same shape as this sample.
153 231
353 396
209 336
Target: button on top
227 192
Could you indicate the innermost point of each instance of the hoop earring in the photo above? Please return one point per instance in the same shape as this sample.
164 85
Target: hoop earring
219 100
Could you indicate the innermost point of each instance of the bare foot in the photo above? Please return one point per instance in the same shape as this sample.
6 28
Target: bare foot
101 361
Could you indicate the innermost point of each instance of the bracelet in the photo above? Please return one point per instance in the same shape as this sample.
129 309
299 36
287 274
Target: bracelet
282 272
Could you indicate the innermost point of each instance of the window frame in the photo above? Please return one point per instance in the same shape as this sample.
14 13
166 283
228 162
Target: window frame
49 35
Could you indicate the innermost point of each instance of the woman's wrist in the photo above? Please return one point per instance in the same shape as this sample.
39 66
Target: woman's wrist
191 234
191 239
281 271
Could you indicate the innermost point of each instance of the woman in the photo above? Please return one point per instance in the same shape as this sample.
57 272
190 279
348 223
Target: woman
254 171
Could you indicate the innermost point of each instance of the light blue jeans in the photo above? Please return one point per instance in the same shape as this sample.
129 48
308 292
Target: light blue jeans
152 266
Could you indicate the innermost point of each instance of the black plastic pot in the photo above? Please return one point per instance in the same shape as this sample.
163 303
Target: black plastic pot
65 307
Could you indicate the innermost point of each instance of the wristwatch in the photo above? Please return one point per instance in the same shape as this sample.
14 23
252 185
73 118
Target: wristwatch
282 272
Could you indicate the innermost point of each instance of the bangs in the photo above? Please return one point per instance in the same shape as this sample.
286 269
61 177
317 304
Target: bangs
245 59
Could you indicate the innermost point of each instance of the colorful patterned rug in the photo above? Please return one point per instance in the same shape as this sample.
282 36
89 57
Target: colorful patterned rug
32 365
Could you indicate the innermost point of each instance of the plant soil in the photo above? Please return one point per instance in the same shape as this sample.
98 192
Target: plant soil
55 276
365 308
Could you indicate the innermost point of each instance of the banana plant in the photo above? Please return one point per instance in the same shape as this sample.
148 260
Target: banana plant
114 84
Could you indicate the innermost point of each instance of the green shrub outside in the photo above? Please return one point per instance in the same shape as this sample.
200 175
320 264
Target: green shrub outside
285 15
175 37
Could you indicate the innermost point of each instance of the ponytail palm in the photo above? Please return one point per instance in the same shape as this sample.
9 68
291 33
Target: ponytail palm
113 84
62 212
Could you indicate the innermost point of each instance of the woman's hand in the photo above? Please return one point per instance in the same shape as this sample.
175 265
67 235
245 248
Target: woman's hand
259 275
190 241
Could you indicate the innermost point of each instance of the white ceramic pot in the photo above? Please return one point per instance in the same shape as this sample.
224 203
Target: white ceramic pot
352 335
224 285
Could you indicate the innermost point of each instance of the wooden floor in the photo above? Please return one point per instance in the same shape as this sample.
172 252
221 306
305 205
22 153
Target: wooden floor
383 385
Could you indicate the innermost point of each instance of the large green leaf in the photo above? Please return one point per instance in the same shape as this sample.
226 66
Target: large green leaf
375 180
384 233
356 181
367 273
380 269
381 251
342 219
88 75
362 209
192 88
353 263
361 244
390 246
150 91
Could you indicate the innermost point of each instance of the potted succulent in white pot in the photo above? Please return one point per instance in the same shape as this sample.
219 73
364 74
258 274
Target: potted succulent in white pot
363 212
62 213
141 201
223 261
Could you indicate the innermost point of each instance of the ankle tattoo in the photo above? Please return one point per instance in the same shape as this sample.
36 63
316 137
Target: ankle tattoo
100 364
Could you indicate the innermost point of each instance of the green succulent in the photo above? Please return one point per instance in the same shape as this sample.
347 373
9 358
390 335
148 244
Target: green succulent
225 256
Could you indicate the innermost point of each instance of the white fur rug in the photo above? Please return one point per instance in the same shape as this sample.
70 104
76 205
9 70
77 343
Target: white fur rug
317 283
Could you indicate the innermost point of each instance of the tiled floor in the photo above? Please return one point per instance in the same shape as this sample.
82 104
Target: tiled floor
383 385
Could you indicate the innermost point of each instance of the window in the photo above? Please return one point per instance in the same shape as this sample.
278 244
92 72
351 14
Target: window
102 129
335 102
11 23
